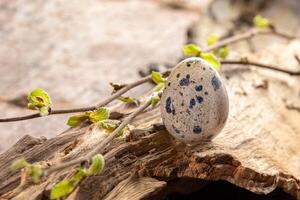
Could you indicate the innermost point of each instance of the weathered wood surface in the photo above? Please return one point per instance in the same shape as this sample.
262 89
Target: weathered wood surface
259 149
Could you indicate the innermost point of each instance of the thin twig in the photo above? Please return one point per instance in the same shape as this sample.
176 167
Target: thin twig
243 36
100 147
261 65
84 109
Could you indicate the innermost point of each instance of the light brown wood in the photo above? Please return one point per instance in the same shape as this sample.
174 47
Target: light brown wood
259 149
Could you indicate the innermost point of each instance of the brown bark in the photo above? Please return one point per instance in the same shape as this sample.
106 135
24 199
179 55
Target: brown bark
258 149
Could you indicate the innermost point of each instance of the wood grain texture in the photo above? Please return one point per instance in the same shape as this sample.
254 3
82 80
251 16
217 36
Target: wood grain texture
258 150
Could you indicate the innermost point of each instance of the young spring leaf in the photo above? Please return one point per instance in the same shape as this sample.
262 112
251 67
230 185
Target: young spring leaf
44 111
19 164
212 59
76 120
61 189
191 50
212 39
223 52
99 114
35 172
155 99
260 22
97 165
67 186
157 77
109 124
127 100
80 174
39 100
159 87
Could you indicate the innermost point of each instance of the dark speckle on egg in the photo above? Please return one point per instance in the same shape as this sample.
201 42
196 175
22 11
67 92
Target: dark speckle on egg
169 105
192 103
215 82
198 88
199 99
185 81
188 64
206 93
178 75
197 129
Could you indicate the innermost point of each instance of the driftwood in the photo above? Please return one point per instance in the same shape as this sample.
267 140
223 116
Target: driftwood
258 150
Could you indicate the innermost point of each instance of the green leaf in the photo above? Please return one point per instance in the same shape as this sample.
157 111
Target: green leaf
212 59
109 124
97 165
223 52
127 99
157 77
212 39
65 187
99 115
61 189
35 171
155 99
260 22
38 98
191 50
44 111
80 174
159 87
76 120
19 164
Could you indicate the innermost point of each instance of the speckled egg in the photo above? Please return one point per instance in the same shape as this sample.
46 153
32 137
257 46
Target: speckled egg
194 104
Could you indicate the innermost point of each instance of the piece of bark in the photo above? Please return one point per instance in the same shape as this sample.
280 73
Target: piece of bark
258 150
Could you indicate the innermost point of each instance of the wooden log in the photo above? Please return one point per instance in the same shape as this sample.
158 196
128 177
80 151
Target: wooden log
258 150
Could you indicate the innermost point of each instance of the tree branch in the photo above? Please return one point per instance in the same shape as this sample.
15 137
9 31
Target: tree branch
260 65
249 34
100 147
84 109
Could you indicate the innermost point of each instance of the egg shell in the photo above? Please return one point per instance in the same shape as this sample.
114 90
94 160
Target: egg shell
194 104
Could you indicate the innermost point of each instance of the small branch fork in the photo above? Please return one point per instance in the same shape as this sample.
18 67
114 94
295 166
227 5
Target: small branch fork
84 109
100 147
231 40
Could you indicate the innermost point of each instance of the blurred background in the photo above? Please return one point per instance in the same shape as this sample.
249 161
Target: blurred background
73 49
